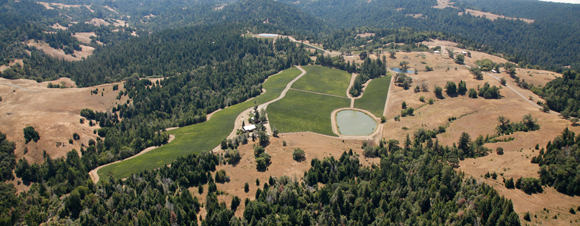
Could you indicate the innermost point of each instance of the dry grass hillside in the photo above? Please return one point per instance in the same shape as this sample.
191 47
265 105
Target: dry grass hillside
54 113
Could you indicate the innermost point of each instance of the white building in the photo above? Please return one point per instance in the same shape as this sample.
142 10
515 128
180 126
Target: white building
249 128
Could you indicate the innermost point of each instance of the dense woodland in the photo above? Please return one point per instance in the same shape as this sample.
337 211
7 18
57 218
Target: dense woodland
353 194
562 94
559 163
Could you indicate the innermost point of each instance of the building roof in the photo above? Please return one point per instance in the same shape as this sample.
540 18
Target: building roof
250 127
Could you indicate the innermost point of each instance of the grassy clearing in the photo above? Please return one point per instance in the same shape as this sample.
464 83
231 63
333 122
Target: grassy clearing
374 96
301 111
198 137
324 80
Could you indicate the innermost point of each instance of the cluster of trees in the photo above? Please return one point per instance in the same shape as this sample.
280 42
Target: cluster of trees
528 185
559 163
369 69
148 198
7 158
384 194
489 92
30 134
528 123
561 94
401 79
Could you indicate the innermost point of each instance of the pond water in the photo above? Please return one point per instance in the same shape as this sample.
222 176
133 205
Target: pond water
398 70
351 122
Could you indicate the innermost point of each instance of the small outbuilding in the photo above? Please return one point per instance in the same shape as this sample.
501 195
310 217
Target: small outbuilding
249 128
436 51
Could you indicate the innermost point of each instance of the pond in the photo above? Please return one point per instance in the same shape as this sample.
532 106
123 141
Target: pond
398 70
351 122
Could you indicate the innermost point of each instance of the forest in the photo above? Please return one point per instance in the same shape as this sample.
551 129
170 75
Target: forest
352 194
559 163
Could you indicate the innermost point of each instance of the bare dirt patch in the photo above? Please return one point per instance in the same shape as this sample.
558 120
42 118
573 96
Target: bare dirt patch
59 53
54 113
84 37
419 15
98 22
315 146
364 35
442 4
61 6
491 16
58 26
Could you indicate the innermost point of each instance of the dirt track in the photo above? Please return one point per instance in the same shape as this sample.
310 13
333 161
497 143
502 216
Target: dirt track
95 176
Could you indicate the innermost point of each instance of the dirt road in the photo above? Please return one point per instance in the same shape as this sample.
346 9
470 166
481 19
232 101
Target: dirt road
95 176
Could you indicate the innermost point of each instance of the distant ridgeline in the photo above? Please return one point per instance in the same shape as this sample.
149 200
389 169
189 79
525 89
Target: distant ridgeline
540 43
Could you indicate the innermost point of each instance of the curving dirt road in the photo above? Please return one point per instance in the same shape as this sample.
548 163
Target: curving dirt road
95 176
240 119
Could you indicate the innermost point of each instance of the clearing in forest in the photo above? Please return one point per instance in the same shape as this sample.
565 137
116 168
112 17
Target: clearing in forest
324 80
302 111
374 96
198 137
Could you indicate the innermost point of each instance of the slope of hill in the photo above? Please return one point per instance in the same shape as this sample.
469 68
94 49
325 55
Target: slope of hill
539 43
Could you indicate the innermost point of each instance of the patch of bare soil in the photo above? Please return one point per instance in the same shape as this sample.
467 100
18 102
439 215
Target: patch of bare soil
61 6
16 61
98 22
491 16
364 35
419 15
54 113
315 146
59 53
58 26
442 4
516 164
110 9
84 37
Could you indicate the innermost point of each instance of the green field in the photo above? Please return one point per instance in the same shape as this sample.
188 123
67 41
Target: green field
301 111
374 96
324 80
198 137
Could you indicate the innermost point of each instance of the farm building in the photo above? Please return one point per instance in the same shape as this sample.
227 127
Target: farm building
249 128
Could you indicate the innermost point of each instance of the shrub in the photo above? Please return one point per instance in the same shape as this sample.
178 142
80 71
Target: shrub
527 216
284 143
70 141
31 134
257 182
509 183
431 101
258 150
499 150
451 88
298 154
438 91
370 152
472 93
503 81
115 87
221 177
572 211
76 136
235 203
404 105
422 99
246 187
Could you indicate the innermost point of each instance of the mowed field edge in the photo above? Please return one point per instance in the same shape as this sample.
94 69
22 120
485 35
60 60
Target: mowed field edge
375 96
302 111
198 137
324 80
